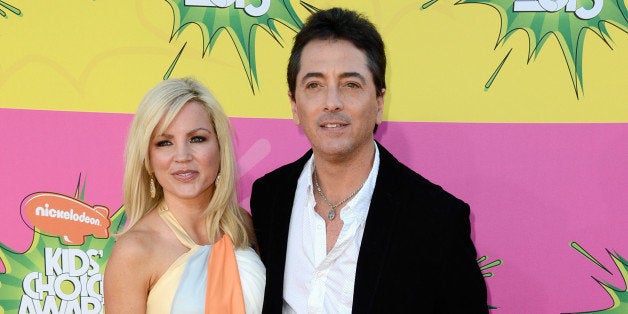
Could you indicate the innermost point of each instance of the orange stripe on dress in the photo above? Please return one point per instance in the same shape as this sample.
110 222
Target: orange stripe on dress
224 289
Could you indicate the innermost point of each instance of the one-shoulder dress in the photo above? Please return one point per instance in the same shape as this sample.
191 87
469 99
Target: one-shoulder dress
182 288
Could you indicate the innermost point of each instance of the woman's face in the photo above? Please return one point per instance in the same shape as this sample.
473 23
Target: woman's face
186 156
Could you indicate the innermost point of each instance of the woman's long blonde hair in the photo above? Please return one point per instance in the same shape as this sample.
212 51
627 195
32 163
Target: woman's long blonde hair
164 102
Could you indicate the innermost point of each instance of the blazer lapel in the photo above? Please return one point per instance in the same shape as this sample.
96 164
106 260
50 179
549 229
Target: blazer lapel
377 232
280 223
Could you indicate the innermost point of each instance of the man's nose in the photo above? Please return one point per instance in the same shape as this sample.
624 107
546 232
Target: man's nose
333 102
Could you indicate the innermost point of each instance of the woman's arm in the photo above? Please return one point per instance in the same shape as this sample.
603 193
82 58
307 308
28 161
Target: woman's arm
127 276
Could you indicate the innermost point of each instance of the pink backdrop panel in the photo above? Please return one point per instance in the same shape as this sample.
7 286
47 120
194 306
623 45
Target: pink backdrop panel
47 151
533 188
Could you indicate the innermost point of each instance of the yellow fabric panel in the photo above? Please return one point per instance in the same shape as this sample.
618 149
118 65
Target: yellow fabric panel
102 56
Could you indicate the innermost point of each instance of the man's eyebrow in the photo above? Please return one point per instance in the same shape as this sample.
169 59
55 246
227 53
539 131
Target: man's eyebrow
354 75
342 76
310 75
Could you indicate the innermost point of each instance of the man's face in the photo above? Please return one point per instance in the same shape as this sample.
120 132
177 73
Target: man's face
335 101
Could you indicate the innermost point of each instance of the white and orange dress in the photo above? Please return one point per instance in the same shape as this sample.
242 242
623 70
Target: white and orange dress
208 279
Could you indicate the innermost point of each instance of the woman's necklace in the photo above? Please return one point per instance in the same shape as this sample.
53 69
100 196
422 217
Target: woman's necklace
332 212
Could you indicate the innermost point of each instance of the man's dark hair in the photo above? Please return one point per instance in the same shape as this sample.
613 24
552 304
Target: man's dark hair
337 23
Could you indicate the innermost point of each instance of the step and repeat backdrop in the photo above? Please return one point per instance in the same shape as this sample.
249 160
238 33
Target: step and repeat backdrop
518 107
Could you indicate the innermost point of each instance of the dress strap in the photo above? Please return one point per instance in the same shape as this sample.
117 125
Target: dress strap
224 289
174 225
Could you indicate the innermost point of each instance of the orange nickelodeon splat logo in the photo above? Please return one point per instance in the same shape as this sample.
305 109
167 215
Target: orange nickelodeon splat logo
66 217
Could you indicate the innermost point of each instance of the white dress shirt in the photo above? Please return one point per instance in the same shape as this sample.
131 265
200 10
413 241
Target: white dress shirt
314 281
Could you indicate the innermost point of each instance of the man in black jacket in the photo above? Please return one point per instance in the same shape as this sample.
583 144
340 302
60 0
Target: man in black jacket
347 227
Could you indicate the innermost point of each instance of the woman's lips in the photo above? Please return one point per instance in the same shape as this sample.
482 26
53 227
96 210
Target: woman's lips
185 175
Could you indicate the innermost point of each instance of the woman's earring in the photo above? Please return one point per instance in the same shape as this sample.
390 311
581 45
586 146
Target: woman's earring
153 191
217 179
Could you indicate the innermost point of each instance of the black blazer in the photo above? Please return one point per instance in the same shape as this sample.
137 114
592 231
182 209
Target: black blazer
416 253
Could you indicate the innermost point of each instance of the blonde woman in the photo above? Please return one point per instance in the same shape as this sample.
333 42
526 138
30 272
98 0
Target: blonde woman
187 244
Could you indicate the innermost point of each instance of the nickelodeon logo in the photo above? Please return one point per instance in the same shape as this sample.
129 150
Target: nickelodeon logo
553 6
66 217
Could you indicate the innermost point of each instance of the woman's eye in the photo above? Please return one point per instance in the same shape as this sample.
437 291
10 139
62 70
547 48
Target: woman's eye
197 139
163 143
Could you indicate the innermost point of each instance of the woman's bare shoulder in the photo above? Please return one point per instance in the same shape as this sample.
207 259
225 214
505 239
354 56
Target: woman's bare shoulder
130 271
139 242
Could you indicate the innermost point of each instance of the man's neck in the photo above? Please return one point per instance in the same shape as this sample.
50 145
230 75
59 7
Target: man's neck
339 175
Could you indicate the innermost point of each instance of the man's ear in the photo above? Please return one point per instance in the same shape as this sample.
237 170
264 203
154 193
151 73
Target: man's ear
293 106
380 106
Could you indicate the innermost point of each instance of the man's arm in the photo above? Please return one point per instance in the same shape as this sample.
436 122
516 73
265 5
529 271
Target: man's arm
461 273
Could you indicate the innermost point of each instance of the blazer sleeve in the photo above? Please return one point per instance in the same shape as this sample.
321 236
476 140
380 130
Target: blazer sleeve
260 216
461 274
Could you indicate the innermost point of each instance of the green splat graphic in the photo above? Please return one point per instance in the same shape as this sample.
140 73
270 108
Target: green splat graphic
19 265
6 6
485 273
240 19
568 21
487 266
619 296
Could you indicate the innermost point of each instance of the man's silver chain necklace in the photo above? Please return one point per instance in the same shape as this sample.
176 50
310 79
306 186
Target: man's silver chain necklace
332 212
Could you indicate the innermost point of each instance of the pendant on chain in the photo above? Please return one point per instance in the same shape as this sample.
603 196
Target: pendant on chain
331 214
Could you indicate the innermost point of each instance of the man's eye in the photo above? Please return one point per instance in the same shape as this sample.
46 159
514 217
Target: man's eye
197 139
163 143
312 85
352 85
